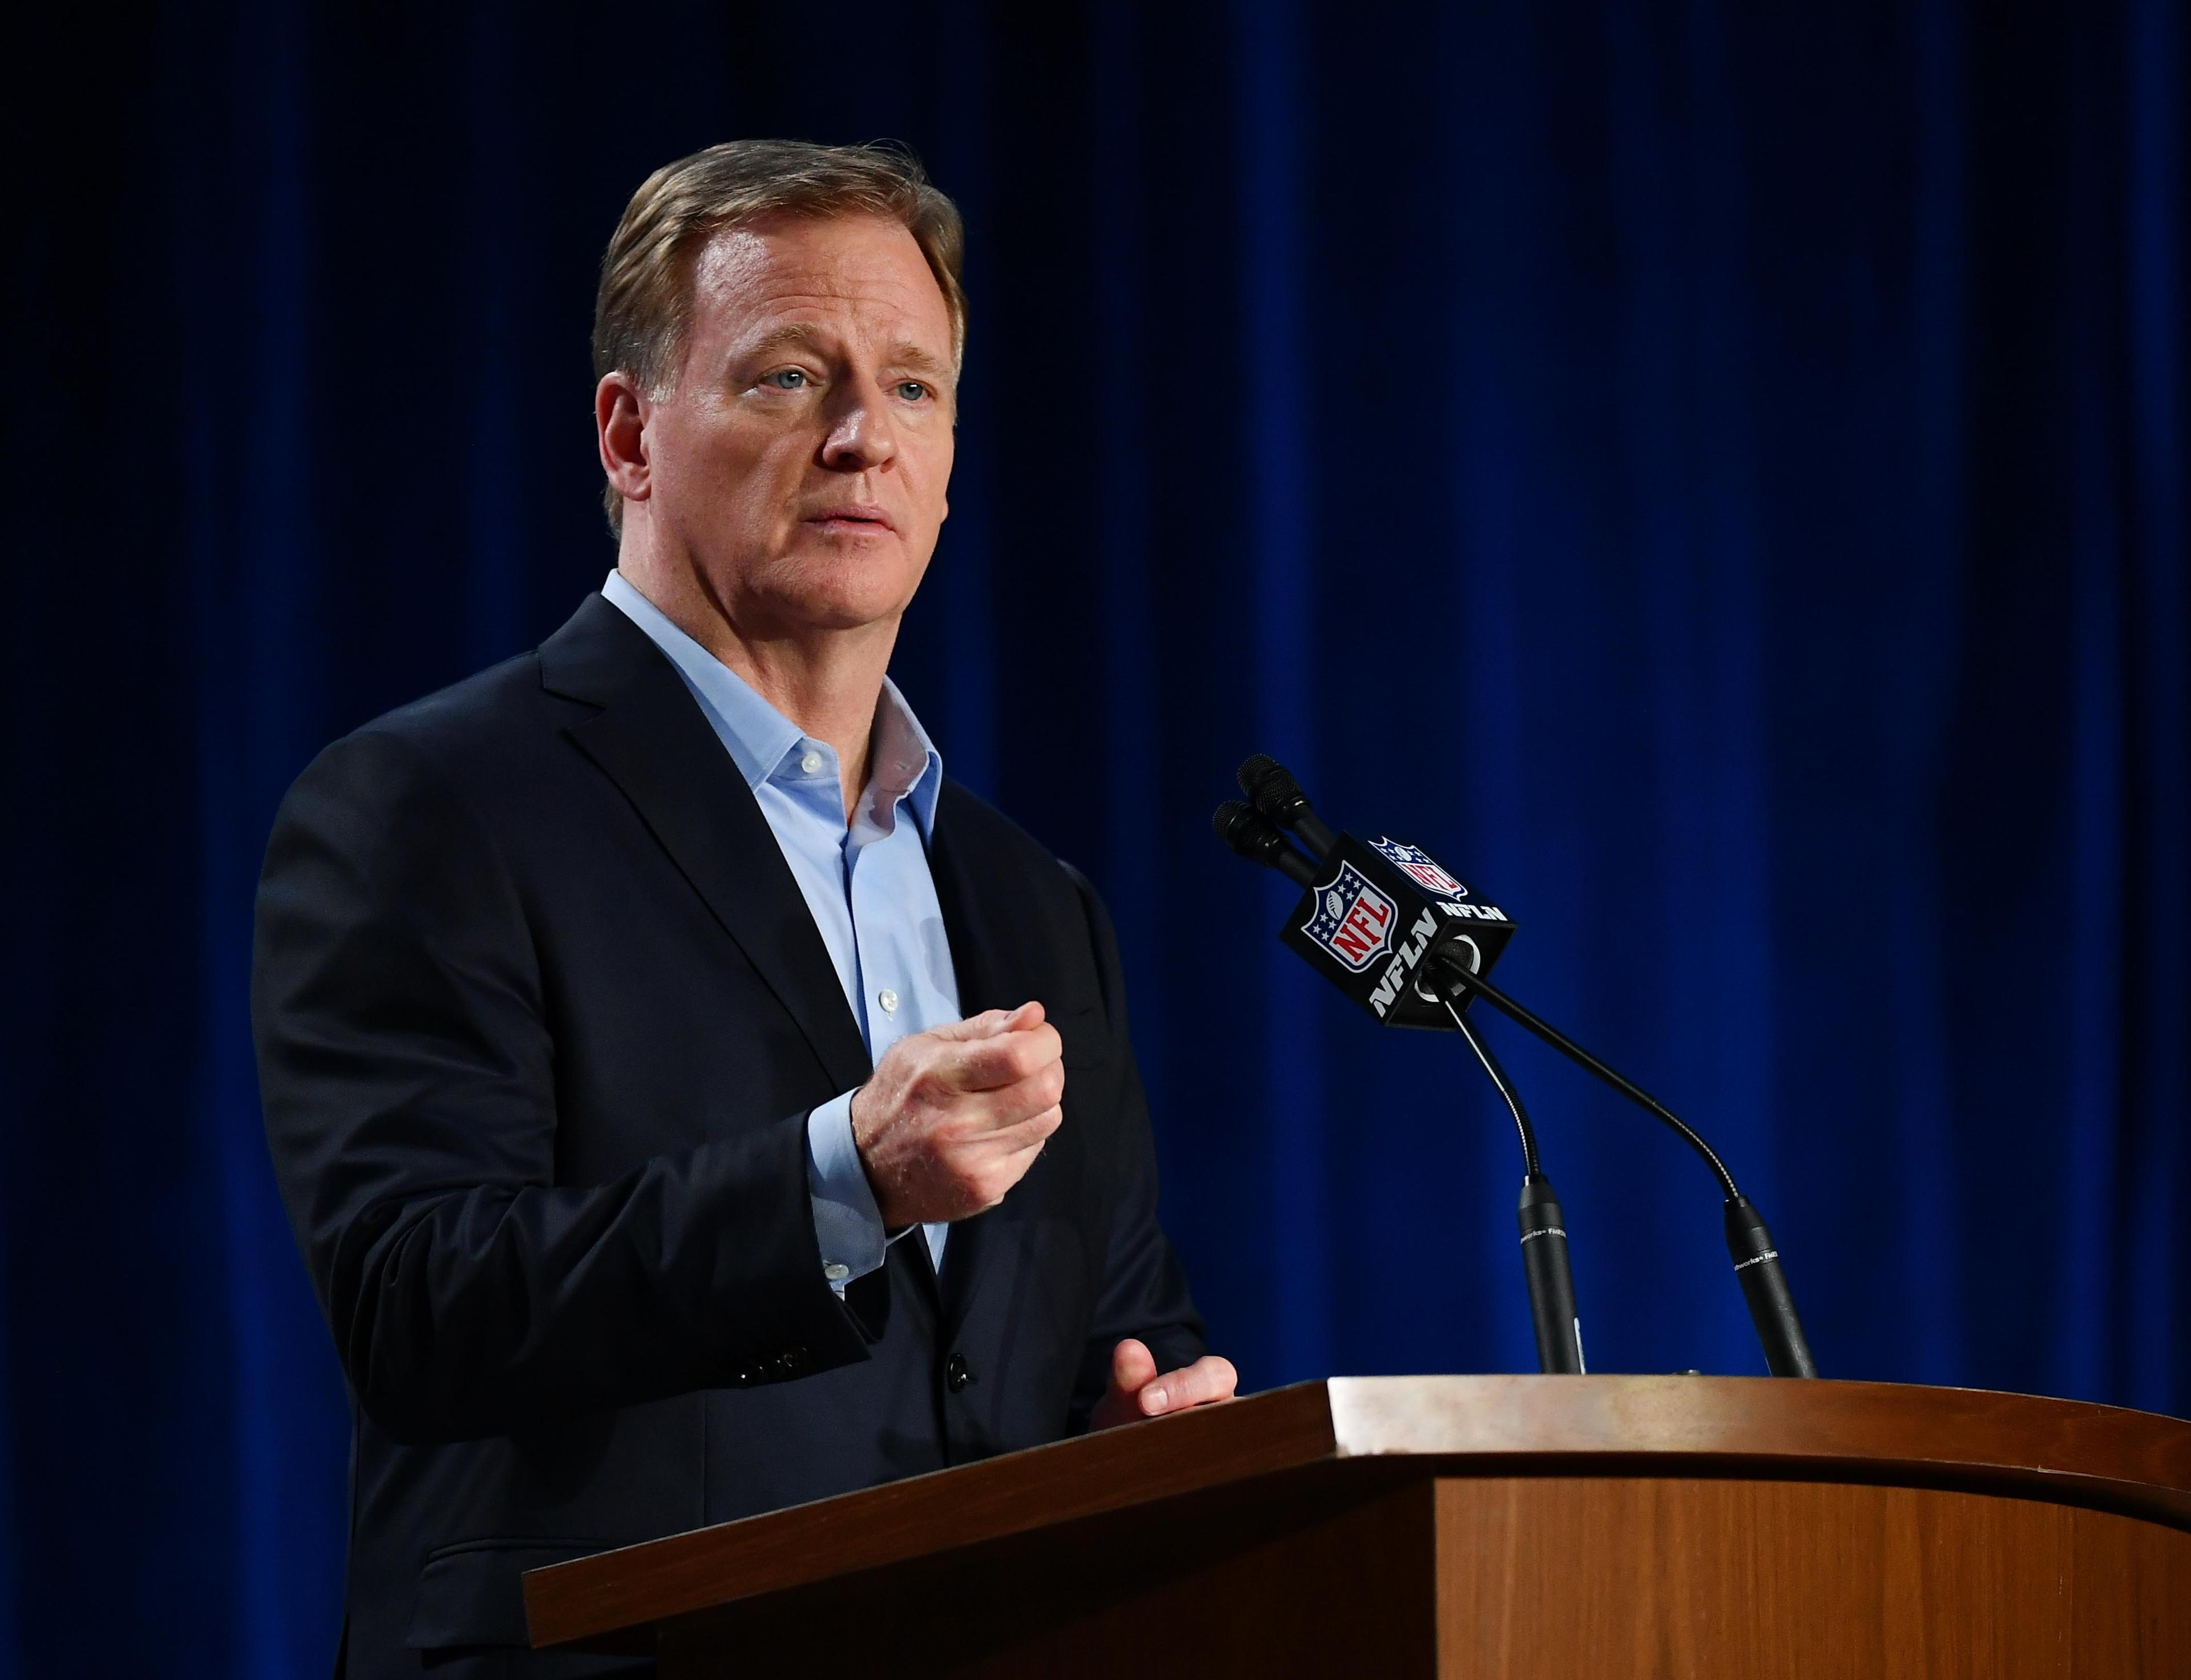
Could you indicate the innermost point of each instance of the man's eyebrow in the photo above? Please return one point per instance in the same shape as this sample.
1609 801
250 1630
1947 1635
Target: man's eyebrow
806 335
798 333
910 356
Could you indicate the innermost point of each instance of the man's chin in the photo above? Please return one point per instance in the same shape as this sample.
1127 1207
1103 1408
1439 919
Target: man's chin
834 586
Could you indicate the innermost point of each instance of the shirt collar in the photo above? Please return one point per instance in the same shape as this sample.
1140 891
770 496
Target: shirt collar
903 764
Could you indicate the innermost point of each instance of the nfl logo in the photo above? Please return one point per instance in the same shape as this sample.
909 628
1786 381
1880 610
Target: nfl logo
1421 867
1352 920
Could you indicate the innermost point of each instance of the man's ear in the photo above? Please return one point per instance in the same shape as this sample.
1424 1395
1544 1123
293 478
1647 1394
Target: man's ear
620 412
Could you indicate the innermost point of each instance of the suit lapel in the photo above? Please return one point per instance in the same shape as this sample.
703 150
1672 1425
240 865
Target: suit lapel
980 960
652 740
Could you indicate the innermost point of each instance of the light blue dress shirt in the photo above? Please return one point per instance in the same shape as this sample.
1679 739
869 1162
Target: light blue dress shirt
867 883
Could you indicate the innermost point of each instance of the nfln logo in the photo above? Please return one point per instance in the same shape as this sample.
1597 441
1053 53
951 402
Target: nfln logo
1421 866
1352 920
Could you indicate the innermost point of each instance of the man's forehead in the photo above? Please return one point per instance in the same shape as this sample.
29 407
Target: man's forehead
756 276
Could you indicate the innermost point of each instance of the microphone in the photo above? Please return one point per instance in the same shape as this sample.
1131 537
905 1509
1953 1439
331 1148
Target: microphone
1388 925
1270 788
1259 840
1348 927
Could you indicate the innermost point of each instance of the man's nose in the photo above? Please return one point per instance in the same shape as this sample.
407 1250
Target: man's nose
861 436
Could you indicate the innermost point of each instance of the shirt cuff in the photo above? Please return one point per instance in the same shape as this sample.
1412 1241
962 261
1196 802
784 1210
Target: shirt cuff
846 1222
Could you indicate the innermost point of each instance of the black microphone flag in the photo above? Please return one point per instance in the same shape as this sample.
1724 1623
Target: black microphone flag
1377 908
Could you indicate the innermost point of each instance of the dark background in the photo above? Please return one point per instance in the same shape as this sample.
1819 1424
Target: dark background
1717 480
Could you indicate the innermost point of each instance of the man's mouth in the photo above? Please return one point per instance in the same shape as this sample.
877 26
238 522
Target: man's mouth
851 518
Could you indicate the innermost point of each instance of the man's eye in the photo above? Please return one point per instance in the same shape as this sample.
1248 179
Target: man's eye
785 378
912 390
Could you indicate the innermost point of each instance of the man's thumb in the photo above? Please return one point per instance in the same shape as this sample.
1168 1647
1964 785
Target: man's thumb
1132 1366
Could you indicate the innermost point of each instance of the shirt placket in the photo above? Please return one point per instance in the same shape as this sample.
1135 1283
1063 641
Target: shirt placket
883 1003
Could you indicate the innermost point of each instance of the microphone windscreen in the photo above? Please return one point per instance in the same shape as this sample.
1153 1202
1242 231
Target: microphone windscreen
1260 840
1240 827
1270 786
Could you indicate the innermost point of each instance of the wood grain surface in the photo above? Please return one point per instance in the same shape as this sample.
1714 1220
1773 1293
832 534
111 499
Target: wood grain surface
1091 1533
1494 1578
1636 1579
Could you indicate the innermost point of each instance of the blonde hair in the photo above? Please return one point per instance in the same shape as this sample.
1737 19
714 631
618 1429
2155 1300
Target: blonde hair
643 310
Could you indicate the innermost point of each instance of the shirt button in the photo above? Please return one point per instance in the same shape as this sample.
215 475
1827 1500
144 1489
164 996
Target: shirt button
836 1271
811 764
888 998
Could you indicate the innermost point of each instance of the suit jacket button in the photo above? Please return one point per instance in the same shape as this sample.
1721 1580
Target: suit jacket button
795 1360
957 1373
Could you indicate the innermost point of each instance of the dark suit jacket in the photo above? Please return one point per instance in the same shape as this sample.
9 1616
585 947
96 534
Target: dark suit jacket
540 1016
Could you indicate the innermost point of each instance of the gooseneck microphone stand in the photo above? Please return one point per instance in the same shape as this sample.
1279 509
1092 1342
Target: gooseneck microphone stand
1749 1243
1543 1229
1544 1265
1277 803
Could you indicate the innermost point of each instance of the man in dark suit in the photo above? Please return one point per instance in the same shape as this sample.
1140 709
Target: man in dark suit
689 1102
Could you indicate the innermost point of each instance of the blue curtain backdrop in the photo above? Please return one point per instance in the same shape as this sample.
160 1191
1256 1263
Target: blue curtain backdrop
1717 479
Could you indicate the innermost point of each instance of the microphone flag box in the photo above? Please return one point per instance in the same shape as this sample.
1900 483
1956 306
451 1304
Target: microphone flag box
1378 910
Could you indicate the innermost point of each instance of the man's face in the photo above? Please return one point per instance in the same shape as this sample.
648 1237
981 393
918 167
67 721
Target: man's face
802 461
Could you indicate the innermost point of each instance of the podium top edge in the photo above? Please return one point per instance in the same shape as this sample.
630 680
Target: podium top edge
1855 1423
2016 1445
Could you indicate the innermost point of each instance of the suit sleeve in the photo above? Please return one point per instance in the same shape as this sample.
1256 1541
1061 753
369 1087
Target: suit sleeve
1144 1292
408 1078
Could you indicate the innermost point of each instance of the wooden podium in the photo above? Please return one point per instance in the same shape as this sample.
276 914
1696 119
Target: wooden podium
1491 1526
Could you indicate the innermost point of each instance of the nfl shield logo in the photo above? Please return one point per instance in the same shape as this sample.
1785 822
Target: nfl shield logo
1421 866
1352 920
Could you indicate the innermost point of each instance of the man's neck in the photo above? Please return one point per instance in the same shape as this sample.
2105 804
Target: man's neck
828 682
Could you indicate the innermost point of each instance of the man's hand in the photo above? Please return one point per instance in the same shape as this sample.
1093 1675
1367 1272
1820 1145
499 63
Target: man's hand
1137 1392
954 1118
